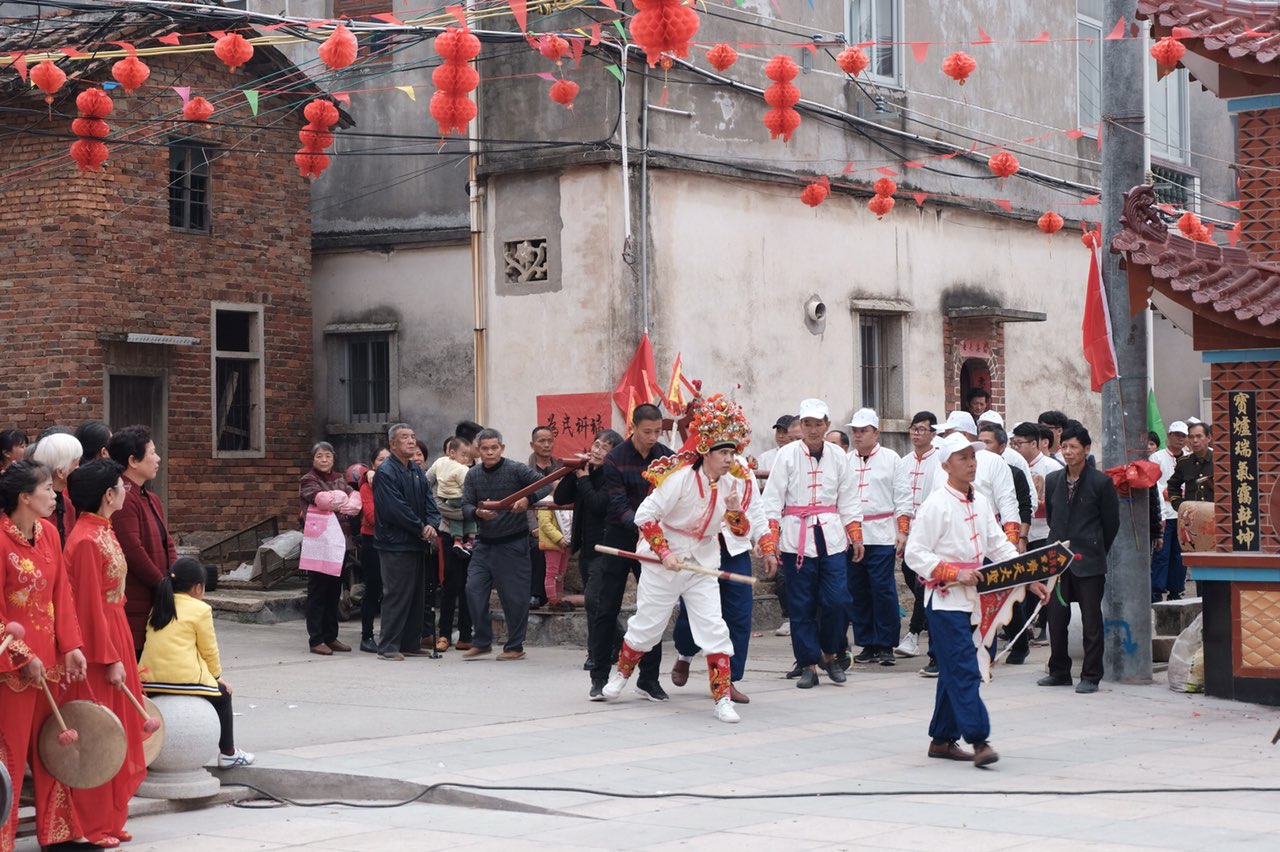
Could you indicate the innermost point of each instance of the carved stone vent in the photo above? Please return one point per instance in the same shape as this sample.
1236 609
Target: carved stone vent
525 261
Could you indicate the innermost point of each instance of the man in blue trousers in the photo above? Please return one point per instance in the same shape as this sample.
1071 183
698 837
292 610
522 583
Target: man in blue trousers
873 586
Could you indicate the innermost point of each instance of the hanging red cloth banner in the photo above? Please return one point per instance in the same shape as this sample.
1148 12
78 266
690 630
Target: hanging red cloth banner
574 419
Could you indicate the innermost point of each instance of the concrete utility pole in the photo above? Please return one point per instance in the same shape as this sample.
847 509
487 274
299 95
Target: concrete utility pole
1126 606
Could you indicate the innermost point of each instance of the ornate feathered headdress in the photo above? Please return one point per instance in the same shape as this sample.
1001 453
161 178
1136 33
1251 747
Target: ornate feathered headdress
719 422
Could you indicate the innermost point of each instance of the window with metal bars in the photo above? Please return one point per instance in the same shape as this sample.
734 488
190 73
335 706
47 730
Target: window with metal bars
189 187
368 379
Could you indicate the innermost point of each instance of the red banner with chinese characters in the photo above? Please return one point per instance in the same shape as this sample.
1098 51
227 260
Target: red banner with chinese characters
574 419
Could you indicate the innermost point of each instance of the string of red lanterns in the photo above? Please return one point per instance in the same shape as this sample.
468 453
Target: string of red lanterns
455 79
315 137
781 119
89 151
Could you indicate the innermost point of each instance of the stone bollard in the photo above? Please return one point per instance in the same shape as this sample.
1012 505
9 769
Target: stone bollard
190 740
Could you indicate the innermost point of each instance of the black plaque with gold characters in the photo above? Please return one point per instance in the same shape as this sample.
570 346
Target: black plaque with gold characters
1048 561
1246 521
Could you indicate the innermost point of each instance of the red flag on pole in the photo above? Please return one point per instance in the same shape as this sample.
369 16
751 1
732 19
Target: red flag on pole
1099 348
675 396
637 382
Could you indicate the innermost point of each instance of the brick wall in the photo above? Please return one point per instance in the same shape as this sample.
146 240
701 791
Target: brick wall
1262 377
92 254
1259 147
954 334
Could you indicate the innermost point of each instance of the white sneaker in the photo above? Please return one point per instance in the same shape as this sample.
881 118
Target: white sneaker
909 646
617 681
240 758
725 711
784 629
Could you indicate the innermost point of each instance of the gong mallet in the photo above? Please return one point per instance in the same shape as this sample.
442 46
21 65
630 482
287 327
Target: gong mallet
12 630
684 566
68 736
152 724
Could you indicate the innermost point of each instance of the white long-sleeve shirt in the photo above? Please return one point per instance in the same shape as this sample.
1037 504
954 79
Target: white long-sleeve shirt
690 511
1015 458
873 476
752 507
949 528
1040 470
800 480
914 480
1167 461
995 482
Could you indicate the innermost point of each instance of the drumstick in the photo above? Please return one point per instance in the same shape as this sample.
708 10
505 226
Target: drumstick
684 566
68 735
152 724
12 630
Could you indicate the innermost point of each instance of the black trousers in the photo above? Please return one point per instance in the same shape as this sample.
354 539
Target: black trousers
226 719
453 593
537 572
371 603
1022 611
1086 591
402 601
323 594
605 588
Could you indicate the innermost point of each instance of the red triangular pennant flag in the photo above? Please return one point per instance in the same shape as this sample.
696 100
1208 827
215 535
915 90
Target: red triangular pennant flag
983 38
388 18
1092 200
920 50
611 4
919 197
1118 31
1040 39
595 34
1004 204
1074 134
912 164
1099 350
458 13
577 44
520 10
848 168
887 172
19 61
636 383
171 38
342 96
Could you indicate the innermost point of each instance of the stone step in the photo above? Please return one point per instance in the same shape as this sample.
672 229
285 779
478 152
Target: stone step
1162 648
1173 617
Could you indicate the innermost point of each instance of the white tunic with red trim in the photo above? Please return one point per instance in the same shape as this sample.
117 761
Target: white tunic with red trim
995 482
873 477
804 492
949 528
752 507
690 511
914 481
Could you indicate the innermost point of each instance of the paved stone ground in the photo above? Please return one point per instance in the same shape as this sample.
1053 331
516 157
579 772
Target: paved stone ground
529 724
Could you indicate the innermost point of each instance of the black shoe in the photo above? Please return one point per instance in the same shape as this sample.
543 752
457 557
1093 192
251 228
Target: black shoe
652 690
1017 656
886 658
588 665
866 655
597 691
809 679
1087 687
930 670
369 646
845 661
1054 680
835 672
1174 596
795 672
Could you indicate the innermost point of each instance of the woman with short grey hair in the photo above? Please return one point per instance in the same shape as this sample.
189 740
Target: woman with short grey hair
324 495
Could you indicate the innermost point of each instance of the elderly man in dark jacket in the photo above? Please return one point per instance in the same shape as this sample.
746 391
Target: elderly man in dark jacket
406 520
1082 507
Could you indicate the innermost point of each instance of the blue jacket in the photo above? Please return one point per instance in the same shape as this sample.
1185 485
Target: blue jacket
405 506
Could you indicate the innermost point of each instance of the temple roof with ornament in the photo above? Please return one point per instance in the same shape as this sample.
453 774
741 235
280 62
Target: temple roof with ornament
1232 45
1224 285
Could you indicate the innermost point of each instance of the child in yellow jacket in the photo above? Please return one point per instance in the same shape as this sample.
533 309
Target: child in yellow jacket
555 526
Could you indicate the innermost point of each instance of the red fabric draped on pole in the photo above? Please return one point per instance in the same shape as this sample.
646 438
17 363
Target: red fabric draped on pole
1099 349
639 382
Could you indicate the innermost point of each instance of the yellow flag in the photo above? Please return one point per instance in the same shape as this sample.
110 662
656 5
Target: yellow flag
408 90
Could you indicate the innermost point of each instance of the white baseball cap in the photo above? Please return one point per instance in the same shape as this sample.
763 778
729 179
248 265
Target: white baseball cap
990 416
1177 426
865 417
1194 421
958 421
954 443
815 408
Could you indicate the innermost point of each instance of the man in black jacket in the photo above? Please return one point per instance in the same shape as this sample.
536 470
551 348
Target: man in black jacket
1082 507
406 520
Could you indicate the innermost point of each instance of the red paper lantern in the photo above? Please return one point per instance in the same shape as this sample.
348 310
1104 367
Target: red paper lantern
721 56
457 45
884 186
311 164
339 50
49 77
1003 165
781 95
314 139
130 72
781 122
452 112
1050 223
234 50
457 77
89 154
563 92
852 61
197 109
553 47
1091 239
321 112
663 26
781 119
814 194
958 66
94 103
1168 52
880 205
90 128
781 69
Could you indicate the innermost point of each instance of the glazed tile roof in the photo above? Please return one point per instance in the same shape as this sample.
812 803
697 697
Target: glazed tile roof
1223 284
1252 37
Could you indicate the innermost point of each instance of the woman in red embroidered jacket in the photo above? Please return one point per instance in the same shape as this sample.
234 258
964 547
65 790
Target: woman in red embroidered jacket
34 592
97 570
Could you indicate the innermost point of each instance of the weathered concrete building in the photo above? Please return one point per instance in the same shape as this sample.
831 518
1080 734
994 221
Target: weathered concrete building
702 239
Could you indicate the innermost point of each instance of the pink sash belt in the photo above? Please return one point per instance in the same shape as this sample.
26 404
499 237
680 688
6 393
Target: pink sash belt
804 513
